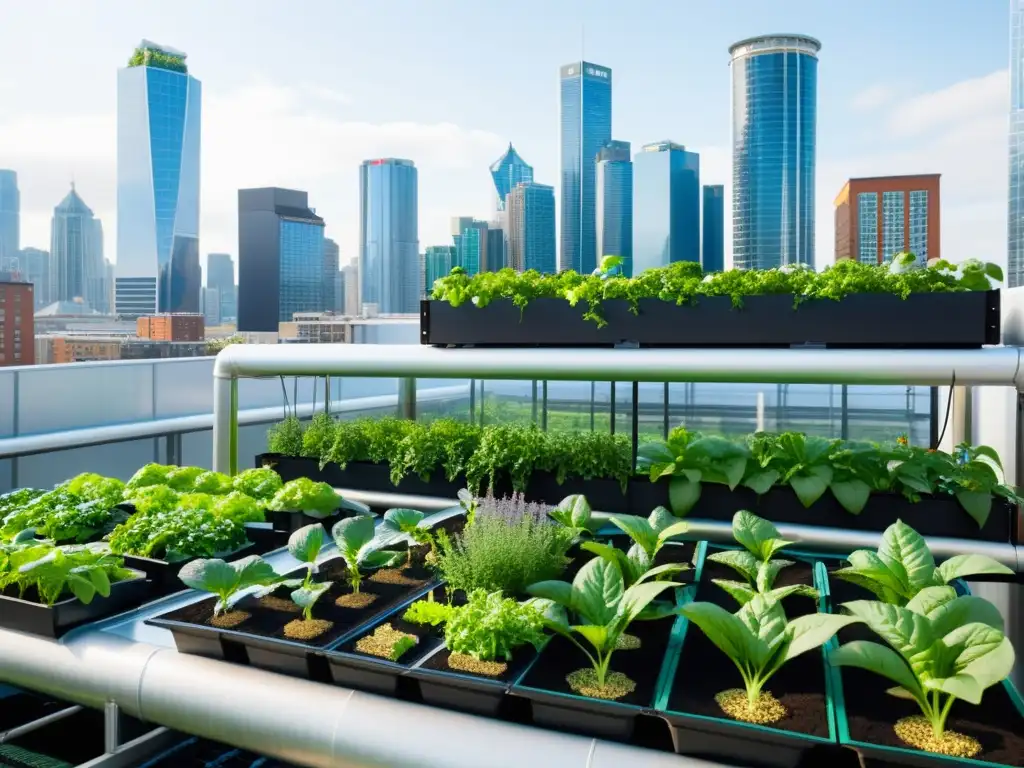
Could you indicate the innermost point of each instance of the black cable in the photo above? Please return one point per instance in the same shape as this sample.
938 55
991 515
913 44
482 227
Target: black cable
945 421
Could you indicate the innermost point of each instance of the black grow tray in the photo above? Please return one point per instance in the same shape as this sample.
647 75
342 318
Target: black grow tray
26 615
959 320
937 515
163 576
360 475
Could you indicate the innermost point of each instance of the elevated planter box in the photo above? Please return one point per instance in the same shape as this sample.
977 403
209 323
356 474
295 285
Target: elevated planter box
26 615
957 320
931 516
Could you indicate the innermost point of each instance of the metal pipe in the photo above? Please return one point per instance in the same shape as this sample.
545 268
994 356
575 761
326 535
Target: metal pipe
16 733
407 398
315 725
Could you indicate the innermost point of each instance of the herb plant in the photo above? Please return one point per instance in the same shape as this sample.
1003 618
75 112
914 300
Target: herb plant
603 608
318 436
285 437
358 547
490 627
940 648
228 581
756 562
903 566
317 500
758 639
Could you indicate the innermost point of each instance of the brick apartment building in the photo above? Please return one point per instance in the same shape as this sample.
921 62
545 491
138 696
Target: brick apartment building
17 326
878 217
172 327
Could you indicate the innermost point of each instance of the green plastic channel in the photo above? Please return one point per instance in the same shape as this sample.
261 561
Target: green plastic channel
821 584
16 757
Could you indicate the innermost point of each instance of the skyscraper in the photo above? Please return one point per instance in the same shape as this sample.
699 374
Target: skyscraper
531 228
280 257
389 249
1015 220
331 256
876 218
437 262
774 97
471 245
614 209
220 275
666 206
507 171
34 264
713 243
158 124
350 274
586 126
76 247
10 216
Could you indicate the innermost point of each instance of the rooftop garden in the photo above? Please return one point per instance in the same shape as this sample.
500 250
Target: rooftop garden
153 57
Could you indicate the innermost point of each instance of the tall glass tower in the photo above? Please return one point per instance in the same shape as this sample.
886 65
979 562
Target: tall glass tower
158 121
666 206
614 209
586 126
10 217
531 228
712 255
76 245
774 109
389 244
507 171
1015 220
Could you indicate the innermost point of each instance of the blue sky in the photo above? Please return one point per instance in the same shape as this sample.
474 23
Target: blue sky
296 94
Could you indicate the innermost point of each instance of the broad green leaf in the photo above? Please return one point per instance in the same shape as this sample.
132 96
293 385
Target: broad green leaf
733 470
961 686
869 565
929 599
100 580
977 504
810 487
852 494
254 570
402 520
683 495
380 559
725 630
962 566
211 575
655 452
804 590
81 587
677 529
597 590
903 544
307 596
988 452
768 572
983 652
876 658
352 534
761 482
907 632
765 618
900 693
638 529
576 508
807 632
305 544
552 612
556 591
660 519
662 570
960 611
742 592
739 560
597 635
751 531
638 597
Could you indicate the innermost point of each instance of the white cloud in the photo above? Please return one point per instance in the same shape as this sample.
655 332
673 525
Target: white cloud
950 106
874 97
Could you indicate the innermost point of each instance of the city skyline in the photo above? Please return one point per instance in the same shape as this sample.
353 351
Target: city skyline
929 120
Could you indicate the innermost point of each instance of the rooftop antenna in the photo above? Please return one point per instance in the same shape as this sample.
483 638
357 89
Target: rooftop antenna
583 41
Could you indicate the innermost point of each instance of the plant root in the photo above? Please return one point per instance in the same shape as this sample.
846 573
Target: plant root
465 663
356 600
300 629
765 710
272 603
229 620
584 682
627 643
381 642
917 732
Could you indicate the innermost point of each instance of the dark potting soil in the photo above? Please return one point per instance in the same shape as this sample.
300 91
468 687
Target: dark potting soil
642 666
871 713
429 638
794 605
266 622
704 671
521 658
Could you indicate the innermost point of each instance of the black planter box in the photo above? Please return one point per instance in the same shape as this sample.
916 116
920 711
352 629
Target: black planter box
53 621
957 320
287 523
602 494
163 576
931 516
361 475
290 467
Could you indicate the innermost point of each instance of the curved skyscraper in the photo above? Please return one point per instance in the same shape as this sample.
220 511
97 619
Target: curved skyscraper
774 110
158 119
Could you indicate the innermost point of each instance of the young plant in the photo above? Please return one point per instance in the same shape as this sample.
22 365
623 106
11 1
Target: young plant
355 537
285 437
316 500
792 458
468 502
759 640
215 483
83 571
408 523
903 566
755 562
574 514
648 536
228 581
490 627
603 608
941 648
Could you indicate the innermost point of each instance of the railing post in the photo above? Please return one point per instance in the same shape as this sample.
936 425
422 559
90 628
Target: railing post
844 413
407 399
544 407
664 414
225 424
611 407
15 426
533 408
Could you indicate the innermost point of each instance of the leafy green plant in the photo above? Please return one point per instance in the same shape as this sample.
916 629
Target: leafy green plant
408 524
285 437
443 444
803 462
305 545
649 536
149 57
260 483
318 500
152 498
603 608
940 648
490 627
758 639
428 612
858 470
574 514
318 436
358 547
351 443
183 479
82 571
177 535
63 516
756 562
228 581
149 474
89 486
903 566
468 502
238 507
212 482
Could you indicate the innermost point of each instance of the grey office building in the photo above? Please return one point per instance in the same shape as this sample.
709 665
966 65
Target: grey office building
220 275
615 204
280 257
331 255
10 217
531 227
666 206
34 264
389 247
76 244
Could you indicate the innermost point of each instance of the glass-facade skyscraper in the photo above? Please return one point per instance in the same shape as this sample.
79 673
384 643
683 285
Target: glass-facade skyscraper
531 228
774 114
332 257
10 217
666 206
712 256
585 117
614 208
220 275
1015 219
389 248
158 122
76 245
507 171
437 263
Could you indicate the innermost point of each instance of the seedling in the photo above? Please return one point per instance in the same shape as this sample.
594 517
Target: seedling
759 640
574 514
648 536
903 566
410 523
228 581
943 648
469 504
359 549
760 540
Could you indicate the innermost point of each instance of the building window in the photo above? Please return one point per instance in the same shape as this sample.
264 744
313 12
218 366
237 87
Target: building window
894 237
919 224
867 227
